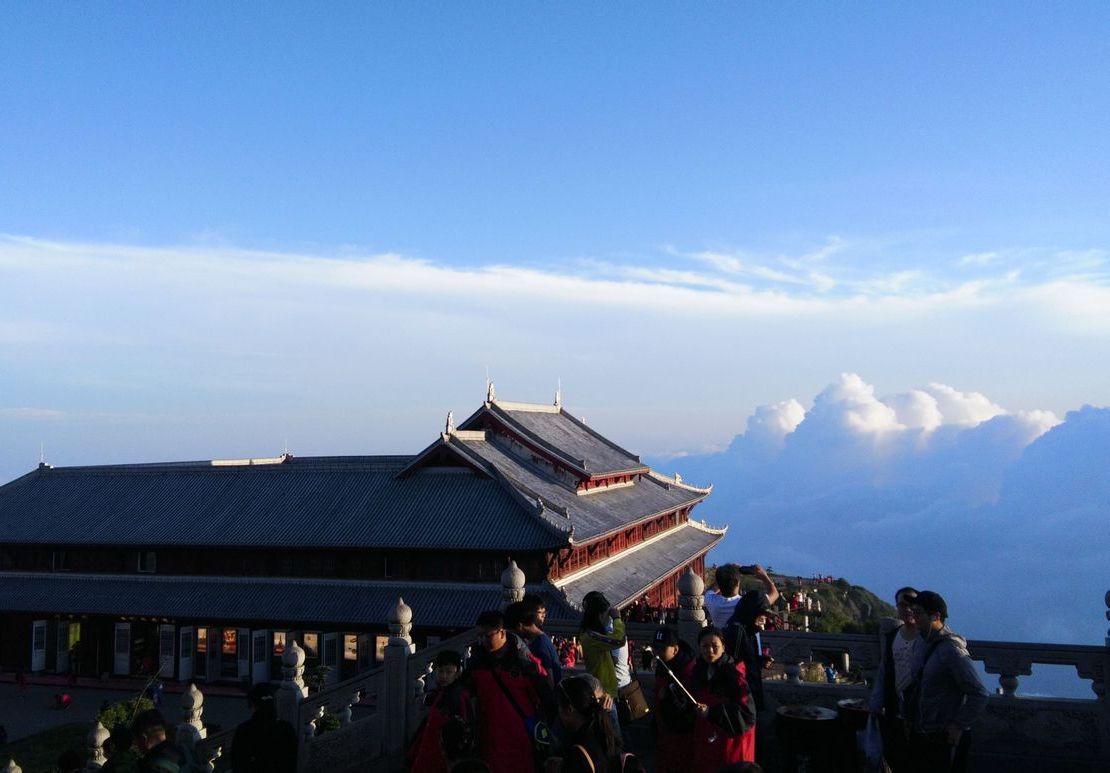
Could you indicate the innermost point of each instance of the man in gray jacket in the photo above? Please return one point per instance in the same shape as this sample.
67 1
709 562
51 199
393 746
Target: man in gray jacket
947 695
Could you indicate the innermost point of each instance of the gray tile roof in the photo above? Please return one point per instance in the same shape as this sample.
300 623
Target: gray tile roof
592 514
560 433
626 579
359 604
335 502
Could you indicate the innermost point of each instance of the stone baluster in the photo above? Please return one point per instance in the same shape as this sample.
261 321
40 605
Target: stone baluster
96 739
1098 680
292 690
691 607
397 690
792 669
308 732
11 767
512 584
343 710
1008 667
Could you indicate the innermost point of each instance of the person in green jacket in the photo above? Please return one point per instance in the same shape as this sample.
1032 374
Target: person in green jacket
604 646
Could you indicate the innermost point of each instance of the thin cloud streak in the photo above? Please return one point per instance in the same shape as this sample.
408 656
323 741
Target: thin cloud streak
667 290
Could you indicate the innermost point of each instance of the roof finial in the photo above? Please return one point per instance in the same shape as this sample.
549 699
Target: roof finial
450 428
491 393
42 452
559 393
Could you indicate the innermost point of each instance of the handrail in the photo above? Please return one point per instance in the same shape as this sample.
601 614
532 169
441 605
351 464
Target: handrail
364 684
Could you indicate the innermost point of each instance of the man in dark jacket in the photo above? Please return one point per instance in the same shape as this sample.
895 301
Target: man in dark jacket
157 754
264 743
946 697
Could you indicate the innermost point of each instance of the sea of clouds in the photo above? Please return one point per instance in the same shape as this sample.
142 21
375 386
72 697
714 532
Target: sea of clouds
1006 513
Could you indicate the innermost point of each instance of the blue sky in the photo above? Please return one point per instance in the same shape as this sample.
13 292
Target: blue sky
224 228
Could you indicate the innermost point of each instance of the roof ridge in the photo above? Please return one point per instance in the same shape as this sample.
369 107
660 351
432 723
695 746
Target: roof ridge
677 481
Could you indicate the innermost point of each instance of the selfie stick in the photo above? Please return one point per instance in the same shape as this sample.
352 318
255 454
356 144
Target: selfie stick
674 678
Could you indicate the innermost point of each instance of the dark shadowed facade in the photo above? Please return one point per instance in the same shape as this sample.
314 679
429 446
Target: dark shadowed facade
207 569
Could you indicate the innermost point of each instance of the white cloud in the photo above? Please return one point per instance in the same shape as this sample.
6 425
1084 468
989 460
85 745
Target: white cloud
30 413
930 487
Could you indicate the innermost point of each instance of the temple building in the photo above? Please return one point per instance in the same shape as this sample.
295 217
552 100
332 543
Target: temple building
205 570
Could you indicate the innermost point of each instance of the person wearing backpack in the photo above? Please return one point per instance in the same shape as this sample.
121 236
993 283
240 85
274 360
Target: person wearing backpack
513 699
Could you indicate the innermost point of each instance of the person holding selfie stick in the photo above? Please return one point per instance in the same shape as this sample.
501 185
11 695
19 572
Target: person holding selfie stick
674 704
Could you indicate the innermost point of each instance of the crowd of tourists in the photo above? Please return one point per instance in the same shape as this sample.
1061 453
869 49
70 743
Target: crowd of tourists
512 705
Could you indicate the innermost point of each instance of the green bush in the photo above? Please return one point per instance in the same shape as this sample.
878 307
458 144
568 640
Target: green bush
120 714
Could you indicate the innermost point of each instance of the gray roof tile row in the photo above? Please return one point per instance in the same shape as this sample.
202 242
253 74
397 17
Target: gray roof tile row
343 502
236 600
626 579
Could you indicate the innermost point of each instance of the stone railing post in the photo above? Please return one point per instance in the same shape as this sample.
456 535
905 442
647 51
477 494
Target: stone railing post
292 691
512 584
396 691
96 739
691 607
191 730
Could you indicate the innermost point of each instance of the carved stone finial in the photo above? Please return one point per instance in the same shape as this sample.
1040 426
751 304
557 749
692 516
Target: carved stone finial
491 393
192 709
96 739
559 397
512 583
677 478
400 621
11 767
450 428
690 584
292 687
294 656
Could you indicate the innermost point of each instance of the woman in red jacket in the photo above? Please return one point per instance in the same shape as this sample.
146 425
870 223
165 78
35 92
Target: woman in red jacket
724 725
674 716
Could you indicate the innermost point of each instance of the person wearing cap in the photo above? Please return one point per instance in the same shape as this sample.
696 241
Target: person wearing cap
448 702
674 714
946 696
263 742
900 648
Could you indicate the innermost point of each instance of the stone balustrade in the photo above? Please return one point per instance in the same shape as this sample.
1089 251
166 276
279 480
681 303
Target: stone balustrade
1016 734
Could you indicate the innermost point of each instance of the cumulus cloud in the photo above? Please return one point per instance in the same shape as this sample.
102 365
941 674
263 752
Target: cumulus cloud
933 486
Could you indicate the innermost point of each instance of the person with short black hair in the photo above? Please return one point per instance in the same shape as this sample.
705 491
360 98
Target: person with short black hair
156 754
533 615
743 628
264 743
947 696
720 602
447 705
511 694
